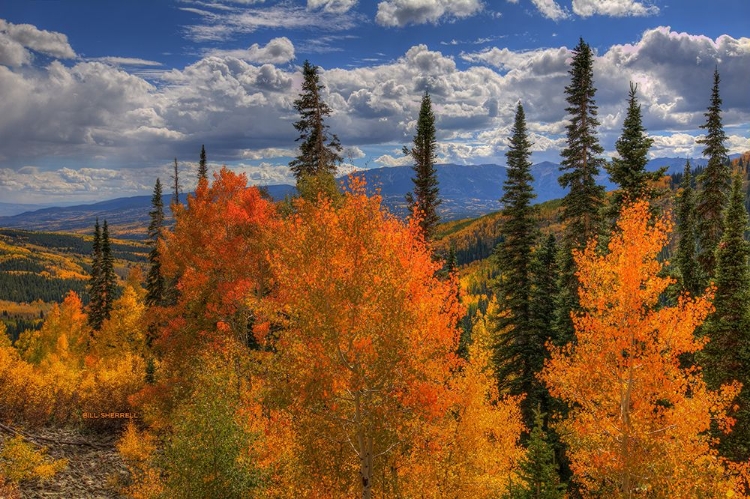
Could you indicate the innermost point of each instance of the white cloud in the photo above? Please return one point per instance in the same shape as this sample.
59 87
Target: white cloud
126 61
614 8
404 12
336 6
389 160
551 10
268 153
226 23
277 51
17 39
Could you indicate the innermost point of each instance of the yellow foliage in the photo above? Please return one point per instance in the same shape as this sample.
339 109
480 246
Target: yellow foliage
19 461
137 449
125 330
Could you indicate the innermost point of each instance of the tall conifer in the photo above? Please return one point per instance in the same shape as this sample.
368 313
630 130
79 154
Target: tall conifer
94 285
581 161
425 198
714 185
155 284
320 151
628 170
726 357
686 250
203 165
519 353
108 277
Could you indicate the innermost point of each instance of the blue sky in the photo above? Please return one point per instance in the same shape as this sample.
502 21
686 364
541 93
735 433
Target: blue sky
100 96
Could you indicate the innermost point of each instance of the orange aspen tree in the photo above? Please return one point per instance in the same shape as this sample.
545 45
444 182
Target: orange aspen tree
364 335
638 422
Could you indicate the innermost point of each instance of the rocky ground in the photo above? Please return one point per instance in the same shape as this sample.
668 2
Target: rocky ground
95 469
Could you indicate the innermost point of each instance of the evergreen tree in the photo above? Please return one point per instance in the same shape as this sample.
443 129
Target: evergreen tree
155 284
714 182
686 263
726 357
629 169
176 184
108 290
582 204
519 354
538 469
203 166
315 166
425 198
543 292
94 286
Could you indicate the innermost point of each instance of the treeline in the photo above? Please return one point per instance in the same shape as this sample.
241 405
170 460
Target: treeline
27 287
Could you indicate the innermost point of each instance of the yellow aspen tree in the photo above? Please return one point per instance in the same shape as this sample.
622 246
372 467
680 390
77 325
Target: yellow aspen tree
639 421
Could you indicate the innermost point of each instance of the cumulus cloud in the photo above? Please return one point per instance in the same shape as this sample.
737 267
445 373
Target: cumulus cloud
243 110
336 6
614 8
399 13
277 51
551 10
16 41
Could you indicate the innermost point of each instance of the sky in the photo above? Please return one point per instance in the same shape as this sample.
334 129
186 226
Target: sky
97 97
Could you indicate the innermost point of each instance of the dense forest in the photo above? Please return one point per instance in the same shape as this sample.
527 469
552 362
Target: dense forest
320 347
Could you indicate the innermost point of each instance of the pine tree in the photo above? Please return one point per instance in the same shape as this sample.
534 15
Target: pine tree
315 166
726 357
108 289
629 169
581 160
176 185
714 182
425 198
519 354
155 284
94 286
538 469
582 204
203 166
686 262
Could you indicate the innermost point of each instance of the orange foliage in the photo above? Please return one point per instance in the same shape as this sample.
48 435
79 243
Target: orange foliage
638 421
364 340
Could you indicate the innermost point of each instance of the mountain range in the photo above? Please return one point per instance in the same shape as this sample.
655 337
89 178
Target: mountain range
466 190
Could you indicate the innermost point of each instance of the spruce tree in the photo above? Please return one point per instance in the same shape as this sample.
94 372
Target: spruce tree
203 166
726 357
108 290
519 353
425 198
155 284
176 184
320 151
689 272
538 469
582 205
714 185
629 169
95 280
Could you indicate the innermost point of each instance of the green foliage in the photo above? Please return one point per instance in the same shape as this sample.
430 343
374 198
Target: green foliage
207 454
320 151
726 357
103 282
689 271
582 205
629 169
580 158
715 183
518 352
538 470
155 283
203 165
425 199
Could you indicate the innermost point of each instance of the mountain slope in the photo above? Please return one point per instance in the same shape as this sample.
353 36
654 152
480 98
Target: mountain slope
467 191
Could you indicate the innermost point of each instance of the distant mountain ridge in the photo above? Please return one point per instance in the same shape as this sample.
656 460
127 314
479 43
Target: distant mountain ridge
466 190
